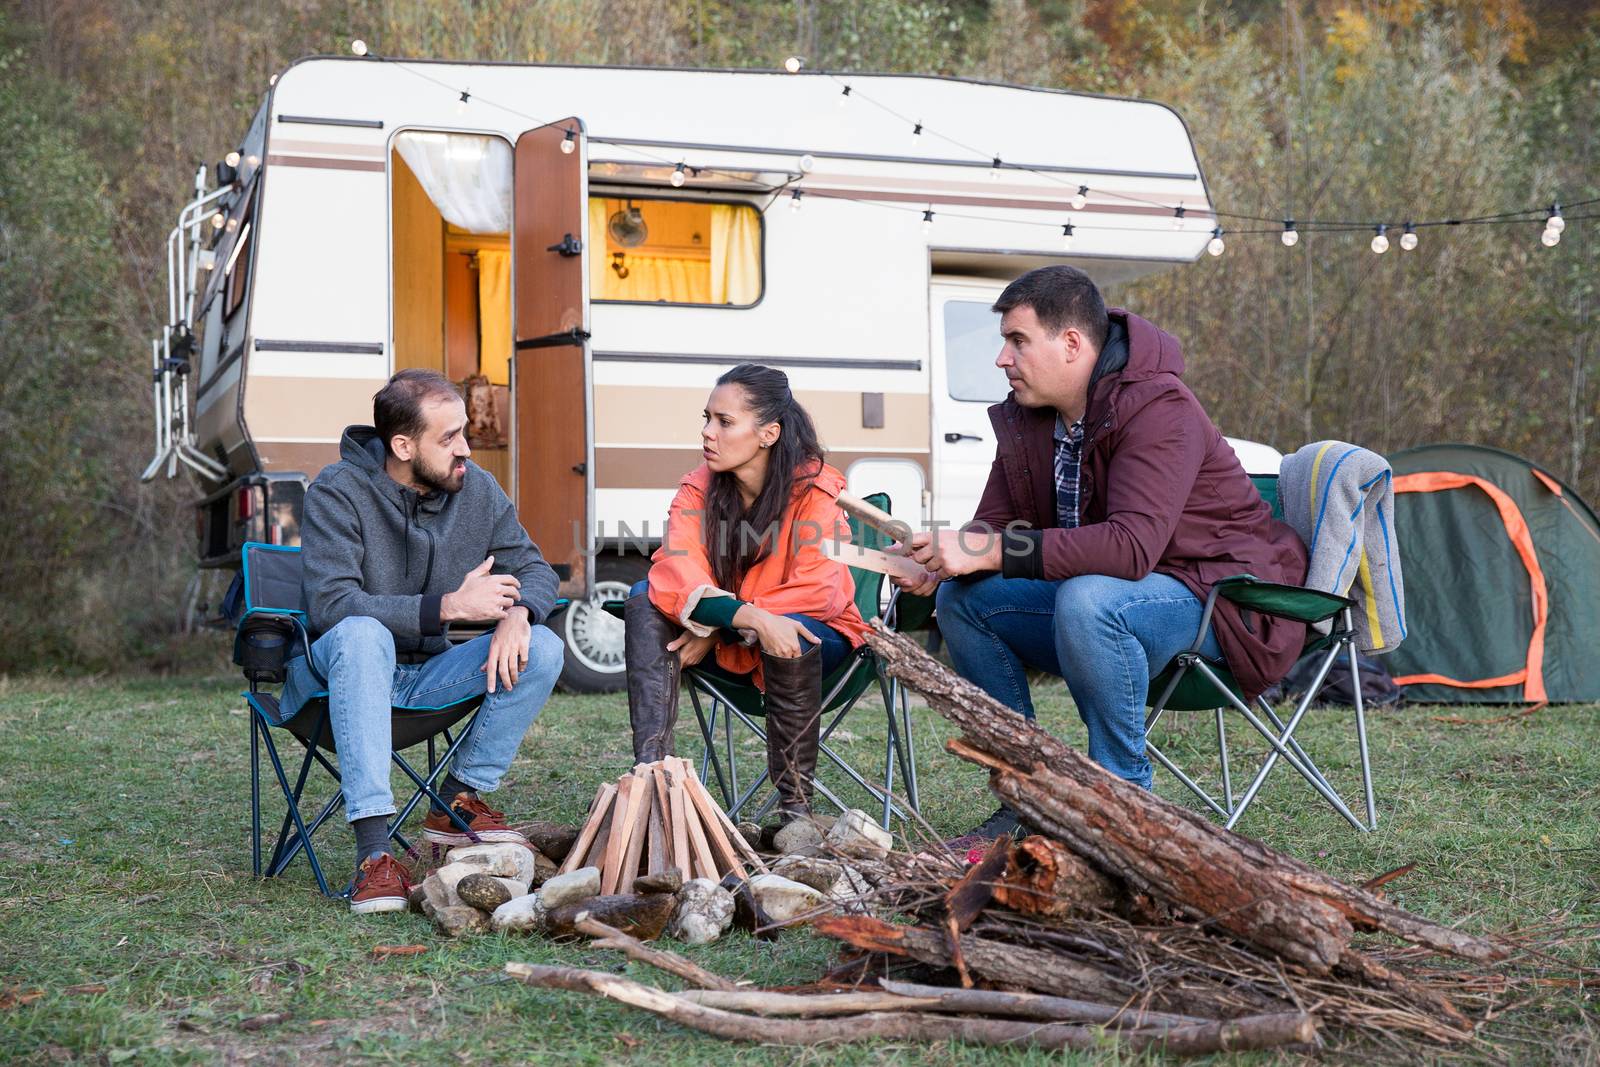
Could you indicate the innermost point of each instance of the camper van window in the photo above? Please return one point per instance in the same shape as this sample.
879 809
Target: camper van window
971 343
236 263
656 251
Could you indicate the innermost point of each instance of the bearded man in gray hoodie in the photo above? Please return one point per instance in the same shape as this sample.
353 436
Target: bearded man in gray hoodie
402 537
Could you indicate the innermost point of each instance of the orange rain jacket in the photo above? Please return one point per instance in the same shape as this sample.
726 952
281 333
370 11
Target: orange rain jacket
794 579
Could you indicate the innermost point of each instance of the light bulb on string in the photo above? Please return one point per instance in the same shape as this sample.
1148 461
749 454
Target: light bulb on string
916 135
1550 238
218 221
994 170
807 162
794 200
569 143
252 161
1408 240
1380 243
231 159
1177 217
358 46
1080 199
1215 246
793 64
1291 236
927 221
844 97
272 80
1555 221
1066 236
233 225
461 104
678 177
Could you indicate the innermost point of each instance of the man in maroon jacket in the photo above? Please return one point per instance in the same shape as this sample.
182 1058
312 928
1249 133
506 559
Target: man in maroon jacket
1112 508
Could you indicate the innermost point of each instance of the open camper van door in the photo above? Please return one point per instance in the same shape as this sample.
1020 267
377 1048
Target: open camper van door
552 398
963 341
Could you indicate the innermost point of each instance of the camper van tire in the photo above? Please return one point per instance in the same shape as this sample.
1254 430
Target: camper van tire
593 636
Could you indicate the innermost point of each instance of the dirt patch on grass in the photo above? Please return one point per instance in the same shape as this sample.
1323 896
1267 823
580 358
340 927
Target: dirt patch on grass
309 1040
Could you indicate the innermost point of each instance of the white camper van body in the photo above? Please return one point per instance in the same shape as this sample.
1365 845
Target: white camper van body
302 300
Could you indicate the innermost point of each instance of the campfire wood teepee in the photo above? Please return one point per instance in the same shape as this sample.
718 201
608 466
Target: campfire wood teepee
655 817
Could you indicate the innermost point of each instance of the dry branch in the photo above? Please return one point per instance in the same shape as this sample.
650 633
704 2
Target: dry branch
1256 894
659 958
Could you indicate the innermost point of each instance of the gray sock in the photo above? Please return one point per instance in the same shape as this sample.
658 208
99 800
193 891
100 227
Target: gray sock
372 836
449 789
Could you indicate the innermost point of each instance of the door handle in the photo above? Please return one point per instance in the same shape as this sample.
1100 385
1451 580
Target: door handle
580 469
952 438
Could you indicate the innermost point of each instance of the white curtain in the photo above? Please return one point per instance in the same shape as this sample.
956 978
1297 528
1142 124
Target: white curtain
467 176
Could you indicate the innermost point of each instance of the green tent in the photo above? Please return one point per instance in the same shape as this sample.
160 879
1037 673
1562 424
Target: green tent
1502 569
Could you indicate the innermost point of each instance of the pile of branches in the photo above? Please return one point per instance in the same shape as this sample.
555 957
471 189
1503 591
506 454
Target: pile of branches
1123 916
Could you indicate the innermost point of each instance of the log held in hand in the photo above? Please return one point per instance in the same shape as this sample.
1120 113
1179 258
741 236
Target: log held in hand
1254 893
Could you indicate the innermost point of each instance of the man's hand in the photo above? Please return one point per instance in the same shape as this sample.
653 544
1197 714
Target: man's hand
482 596
691 649
508 649
923 586
951 553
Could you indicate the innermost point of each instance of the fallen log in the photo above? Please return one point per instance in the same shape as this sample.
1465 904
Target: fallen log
1040 1006
1046 879
994 961
659 958
1249 1033
1179 857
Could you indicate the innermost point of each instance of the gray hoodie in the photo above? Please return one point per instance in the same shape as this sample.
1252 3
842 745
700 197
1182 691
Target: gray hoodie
373 547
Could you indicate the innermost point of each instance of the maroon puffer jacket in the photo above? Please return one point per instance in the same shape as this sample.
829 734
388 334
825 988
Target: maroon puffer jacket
1159 490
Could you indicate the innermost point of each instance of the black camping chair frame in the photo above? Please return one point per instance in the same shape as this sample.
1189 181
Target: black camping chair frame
1189 666
728 701
268 636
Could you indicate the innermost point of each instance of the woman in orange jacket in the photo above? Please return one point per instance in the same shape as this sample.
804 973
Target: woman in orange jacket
740 576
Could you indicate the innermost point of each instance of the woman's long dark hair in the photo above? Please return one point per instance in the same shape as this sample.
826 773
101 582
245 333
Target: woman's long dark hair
736 539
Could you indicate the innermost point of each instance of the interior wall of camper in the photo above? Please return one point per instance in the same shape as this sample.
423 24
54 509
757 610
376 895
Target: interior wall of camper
452 311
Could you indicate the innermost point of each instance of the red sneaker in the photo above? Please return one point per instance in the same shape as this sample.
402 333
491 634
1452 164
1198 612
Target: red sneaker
487 824
382 884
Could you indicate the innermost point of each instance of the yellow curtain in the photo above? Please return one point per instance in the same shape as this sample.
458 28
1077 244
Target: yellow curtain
598 259
735 255
494 315
674 279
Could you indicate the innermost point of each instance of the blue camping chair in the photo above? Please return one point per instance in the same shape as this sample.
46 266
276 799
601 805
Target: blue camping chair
270 633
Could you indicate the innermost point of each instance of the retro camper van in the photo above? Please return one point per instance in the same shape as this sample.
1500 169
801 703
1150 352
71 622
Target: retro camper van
585 249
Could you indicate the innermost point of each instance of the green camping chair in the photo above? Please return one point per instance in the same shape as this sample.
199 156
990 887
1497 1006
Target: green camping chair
1192 682
721 702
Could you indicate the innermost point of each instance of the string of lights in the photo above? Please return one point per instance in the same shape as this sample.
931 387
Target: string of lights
1554 216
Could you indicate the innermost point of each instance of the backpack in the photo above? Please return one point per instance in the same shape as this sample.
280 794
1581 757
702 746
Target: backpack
1377 685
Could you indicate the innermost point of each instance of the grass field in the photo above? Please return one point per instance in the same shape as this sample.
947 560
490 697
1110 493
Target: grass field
132 931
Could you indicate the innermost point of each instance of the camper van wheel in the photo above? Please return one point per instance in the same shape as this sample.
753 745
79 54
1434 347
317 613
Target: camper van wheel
592 636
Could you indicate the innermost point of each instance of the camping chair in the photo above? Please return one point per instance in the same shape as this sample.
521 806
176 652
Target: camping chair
1192 682
271 631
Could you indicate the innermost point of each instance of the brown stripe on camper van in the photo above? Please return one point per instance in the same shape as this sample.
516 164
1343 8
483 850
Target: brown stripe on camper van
1195 212
662 468
306 407
325 163
309 457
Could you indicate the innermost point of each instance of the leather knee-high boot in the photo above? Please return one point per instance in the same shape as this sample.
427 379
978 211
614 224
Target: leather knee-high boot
653 673
794 719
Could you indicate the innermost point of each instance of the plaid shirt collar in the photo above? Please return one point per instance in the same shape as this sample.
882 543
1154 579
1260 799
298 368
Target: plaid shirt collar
1068 453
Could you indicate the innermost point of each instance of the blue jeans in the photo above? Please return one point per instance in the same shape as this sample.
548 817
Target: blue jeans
834 647
1106 636
364 683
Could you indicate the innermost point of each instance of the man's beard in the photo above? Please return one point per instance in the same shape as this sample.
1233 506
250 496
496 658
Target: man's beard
437 481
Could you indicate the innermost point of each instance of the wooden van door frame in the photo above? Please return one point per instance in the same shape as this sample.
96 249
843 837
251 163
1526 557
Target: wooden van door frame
551 373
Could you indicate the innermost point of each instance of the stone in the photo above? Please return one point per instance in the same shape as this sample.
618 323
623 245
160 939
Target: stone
747 913
820 874
643 915
570 888
440 892
485 891
523 914
459 920
550 839
800 836
704 912
782 899
857 834
503 859
544 869
416 896
751 832
668 881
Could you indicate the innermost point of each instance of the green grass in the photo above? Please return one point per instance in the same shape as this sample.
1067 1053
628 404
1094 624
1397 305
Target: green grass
125 812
